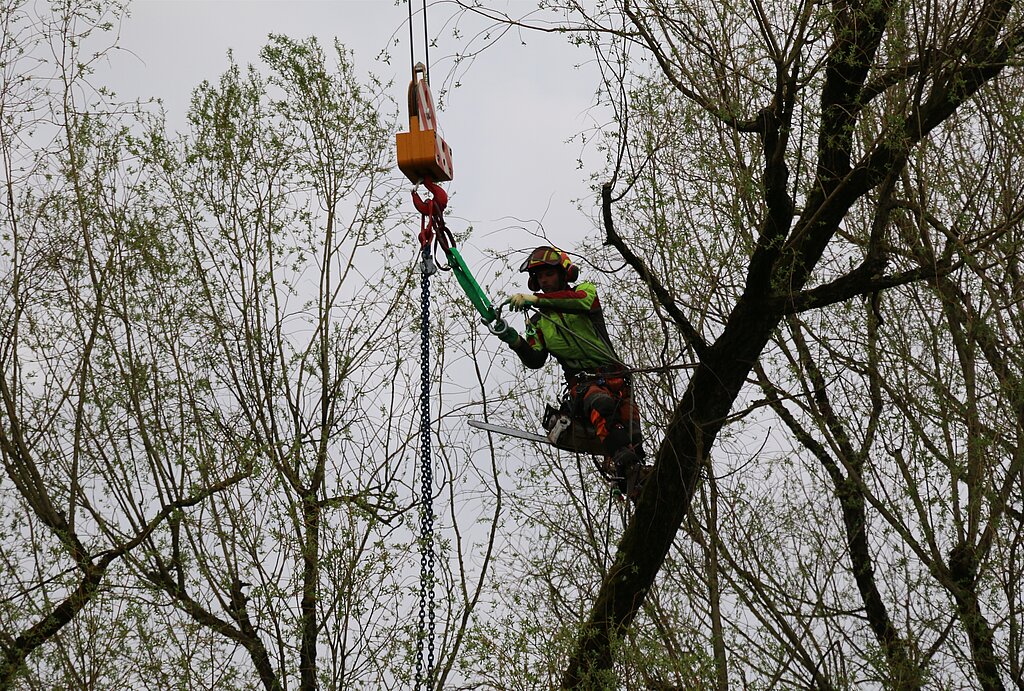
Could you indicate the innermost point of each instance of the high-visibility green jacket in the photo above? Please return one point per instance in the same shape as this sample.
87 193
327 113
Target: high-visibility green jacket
568 324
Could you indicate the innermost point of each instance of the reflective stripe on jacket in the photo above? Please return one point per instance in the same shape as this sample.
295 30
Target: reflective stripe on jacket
569 324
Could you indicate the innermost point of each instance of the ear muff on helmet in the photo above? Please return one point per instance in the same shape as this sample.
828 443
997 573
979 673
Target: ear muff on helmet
549 256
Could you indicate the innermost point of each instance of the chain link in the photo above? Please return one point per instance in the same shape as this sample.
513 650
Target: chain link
425 675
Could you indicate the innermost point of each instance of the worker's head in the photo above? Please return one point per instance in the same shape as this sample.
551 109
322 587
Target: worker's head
550 269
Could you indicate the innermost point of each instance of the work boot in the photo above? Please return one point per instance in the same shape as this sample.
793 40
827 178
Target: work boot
625 462
624 459
636 478
614 477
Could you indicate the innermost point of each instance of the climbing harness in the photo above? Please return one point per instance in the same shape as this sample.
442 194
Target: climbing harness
565 424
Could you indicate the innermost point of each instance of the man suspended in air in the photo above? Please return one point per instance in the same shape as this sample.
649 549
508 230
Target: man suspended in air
567 322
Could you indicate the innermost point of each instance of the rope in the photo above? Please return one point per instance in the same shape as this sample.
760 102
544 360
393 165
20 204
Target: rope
607 536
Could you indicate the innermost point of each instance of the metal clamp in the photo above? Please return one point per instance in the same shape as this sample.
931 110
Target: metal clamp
497 325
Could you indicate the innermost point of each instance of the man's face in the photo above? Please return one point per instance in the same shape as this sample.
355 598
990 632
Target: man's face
550 278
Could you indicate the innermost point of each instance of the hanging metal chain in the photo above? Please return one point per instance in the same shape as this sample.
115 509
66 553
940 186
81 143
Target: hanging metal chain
425 673
425 633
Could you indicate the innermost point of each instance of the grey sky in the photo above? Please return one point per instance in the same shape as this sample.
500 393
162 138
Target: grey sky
507 123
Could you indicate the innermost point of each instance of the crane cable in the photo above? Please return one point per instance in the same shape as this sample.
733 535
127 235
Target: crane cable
412 40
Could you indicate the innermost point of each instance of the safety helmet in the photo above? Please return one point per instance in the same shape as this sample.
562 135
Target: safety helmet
549 256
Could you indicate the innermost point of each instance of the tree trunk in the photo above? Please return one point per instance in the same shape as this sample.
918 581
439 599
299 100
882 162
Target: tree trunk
667 494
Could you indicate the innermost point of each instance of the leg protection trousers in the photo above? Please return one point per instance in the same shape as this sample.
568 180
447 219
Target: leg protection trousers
608 405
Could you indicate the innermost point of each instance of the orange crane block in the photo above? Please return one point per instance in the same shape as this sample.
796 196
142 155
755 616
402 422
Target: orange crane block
422 154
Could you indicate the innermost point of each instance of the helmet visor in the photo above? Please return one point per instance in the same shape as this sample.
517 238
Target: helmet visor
543 256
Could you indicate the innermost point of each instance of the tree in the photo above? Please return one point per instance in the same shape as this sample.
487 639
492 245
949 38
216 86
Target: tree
207 424
282 198
78 424
778 145
955 440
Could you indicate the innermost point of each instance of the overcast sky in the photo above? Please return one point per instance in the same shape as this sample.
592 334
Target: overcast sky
508 123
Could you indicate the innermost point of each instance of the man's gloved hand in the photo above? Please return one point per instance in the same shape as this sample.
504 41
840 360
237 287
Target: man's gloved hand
509 336
520 301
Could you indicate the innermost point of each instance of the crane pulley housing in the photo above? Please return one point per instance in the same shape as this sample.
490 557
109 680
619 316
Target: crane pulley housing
422 154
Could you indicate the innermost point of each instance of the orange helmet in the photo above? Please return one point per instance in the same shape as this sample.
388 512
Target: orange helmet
549 256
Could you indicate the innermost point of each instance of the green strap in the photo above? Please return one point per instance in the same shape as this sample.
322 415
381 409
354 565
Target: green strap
469 285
